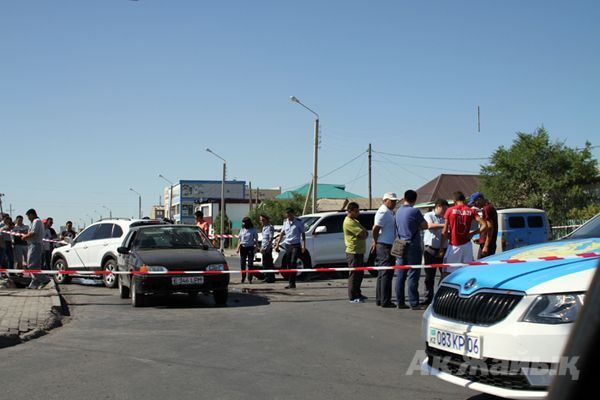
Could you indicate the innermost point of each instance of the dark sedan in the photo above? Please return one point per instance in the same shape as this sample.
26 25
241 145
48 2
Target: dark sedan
165 249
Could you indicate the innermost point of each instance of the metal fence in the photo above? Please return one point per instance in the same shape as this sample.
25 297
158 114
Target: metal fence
567 227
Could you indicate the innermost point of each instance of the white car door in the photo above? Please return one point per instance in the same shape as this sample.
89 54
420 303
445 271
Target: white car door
92 253
328 246
75 252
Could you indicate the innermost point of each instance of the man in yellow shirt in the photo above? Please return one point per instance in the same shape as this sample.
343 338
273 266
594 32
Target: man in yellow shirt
355 236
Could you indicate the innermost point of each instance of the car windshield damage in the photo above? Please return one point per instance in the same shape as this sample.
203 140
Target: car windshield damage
590 229
170 237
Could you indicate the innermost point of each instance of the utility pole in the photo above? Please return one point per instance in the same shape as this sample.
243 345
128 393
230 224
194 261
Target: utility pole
308 192
1 210
10 210
370 187
315 167
250 197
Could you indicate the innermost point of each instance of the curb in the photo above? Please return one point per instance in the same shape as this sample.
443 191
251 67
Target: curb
53 321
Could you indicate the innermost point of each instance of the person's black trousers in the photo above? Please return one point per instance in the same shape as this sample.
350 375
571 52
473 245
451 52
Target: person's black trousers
246 258
267 262
383 292
292 254
430 256
355 278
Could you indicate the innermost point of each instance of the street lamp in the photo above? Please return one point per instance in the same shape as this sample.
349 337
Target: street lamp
98 214
222 242
170 193
91 218
316 153
139 202
109 211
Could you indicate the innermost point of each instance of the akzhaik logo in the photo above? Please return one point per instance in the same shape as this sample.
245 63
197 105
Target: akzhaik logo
537 371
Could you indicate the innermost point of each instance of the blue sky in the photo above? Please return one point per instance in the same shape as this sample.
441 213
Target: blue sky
100 96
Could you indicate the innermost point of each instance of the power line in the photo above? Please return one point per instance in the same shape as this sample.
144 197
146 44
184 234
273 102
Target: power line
406 169
430 167
343 165
431 157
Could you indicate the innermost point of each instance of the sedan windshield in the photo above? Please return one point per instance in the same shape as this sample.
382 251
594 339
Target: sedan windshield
170 237
590 229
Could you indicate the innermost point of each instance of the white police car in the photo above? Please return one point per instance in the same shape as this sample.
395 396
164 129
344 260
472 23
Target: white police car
501 329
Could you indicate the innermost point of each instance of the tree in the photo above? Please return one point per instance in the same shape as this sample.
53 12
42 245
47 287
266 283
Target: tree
217 224
275 209
536 173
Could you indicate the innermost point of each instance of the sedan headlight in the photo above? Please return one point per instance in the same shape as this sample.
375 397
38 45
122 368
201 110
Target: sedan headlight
217 267
553 309
153 268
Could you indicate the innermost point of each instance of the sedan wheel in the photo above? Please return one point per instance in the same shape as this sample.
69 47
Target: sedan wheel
137 299
61 265
123 290
110 280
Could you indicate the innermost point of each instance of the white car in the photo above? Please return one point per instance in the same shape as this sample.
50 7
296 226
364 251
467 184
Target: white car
95 248
324 240
501 329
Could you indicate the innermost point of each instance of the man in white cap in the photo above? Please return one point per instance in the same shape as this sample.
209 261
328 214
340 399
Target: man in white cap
384 233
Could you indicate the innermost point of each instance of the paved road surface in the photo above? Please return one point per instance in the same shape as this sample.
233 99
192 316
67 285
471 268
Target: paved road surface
268 344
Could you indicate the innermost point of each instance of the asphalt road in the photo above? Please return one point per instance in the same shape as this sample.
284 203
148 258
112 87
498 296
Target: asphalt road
269 343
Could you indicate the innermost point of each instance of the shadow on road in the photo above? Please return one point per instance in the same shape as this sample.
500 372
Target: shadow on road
235 300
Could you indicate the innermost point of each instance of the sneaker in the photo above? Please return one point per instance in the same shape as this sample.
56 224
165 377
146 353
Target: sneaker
363 297
290 287
389 305
402 306
357 300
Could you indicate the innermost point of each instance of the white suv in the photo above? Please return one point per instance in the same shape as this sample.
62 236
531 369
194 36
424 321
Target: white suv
95 248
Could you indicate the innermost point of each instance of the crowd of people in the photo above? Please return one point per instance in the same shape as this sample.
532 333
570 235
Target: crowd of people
397 241
30 246
401 235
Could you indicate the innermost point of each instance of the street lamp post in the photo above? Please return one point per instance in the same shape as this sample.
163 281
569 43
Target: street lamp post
98 214
139 202
91 218
170 193
222 242
315 154
109 211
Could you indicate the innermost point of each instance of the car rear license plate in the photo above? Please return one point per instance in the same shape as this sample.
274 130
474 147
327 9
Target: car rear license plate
459 343
187 280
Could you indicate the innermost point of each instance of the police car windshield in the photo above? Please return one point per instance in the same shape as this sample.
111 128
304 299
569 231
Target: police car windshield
590 229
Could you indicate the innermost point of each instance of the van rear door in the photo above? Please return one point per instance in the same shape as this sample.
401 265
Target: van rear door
524 229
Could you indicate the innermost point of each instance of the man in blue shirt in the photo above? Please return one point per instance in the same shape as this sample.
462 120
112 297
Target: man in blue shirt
409 222
384 233
266 247
294 238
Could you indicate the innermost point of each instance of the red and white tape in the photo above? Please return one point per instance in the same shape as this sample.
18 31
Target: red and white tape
221 237
289 271
45 240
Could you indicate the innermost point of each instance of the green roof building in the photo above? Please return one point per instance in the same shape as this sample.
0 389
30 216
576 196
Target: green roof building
324 191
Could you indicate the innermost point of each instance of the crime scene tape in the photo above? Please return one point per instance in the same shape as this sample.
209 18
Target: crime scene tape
221 236
290 271
45 240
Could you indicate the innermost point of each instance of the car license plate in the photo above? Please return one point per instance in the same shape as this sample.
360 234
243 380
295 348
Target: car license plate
459 343
187 280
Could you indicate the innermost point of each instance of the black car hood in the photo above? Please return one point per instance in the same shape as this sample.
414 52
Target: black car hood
181 259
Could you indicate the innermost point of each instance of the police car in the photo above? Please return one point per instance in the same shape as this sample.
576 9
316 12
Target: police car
501 329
